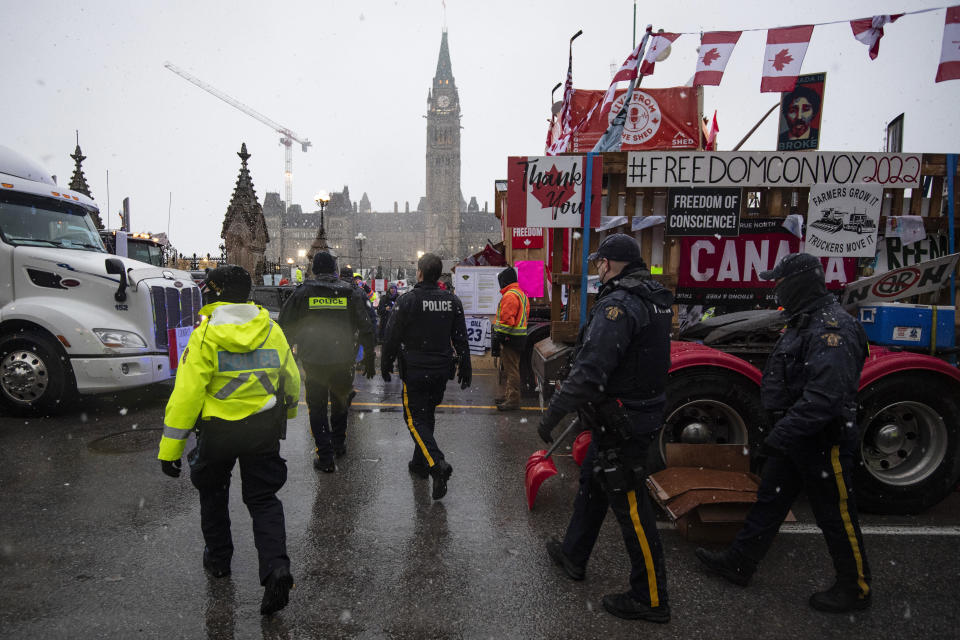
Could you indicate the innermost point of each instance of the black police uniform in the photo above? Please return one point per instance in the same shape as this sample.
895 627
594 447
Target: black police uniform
326 318
424 323
810 383
623 353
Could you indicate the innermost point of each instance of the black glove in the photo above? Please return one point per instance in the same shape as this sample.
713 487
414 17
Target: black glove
369 368
768 450
171 467
385 372
464 375
495 345
545 431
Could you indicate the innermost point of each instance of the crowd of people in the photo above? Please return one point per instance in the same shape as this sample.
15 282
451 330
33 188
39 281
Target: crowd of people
239 381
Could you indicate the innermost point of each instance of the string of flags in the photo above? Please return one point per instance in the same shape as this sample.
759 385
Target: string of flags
783 57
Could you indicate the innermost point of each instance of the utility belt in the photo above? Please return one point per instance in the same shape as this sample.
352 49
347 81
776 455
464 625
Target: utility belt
444 368
219 439
609 420
834 432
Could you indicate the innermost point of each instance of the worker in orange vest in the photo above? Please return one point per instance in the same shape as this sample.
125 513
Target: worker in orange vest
510 337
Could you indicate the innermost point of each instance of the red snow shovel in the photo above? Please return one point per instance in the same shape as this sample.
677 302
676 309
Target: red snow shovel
540 466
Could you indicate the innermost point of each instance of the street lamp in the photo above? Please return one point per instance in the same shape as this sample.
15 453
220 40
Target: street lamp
360 238
322 198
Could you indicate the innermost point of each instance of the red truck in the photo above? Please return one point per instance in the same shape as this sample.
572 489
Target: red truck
907 406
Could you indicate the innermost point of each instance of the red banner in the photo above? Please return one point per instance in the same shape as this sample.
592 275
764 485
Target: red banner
549 191
527 238
718 270
657 119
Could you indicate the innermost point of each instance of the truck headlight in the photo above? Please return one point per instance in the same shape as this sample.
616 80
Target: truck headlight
117 338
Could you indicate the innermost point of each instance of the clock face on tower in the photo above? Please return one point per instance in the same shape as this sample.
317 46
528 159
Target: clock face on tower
443 102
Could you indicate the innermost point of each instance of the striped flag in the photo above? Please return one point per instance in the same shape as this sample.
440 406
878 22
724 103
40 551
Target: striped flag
949 68
870 30
560 143
658 43
715 50
786 48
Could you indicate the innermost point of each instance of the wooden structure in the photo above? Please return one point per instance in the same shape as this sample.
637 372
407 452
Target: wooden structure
662 254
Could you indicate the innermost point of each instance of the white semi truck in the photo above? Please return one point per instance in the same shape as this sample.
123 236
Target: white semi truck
75 319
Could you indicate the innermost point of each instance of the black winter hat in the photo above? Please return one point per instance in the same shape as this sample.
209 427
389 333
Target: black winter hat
791 265
618 247
228 283
323 262
507 277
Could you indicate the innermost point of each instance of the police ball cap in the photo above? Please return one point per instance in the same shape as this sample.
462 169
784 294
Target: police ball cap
618 247
791 265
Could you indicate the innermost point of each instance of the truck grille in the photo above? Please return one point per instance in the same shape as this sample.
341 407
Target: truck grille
174 308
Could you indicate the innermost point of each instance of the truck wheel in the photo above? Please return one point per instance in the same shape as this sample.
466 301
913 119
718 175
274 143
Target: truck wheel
35 378
709 408
909 454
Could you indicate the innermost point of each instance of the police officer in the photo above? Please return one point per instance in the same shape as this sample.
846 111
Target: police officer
237 383
424 323
809 385
325 319
617 383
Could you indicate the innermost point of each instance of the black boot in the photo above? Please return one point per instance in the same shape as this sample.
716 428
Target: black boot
555 551
624 606
276 592
215 569
840 599
725 564
326 467
441 473
418 469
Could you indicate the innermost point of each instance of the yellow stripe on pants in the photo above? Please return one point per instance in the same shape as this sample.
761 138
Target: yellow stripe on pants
847 523
413 430
647 556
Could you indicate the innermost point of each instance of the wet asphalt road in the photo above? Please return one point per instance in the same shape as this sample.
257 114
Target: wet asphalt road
96 543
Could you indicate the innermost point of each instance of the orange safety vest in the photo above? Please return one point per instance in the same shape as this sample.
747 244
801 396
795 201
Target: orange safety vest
519 327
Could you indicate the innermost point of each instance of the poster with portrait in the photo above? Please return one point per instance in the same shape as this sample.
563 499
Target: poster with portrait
800 112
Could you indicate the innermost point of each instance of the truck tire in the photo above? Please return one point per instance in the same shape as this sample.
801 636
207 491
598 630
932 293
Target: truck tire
35 375
709 407
909 455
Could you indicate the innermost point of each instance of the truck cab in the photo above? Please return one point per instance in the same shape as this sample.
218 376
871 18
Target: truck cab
140 246
74 318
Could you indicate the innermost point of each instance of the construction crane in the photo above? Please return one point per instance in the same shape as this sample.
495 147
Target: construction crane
287 138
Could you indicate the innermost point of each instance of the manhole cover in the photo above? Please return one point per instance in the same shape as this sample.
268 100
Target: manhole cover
128 441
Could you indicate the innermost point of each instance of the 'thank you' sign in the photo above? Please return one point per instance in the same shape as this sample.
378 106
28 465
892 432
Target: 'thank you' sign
549 191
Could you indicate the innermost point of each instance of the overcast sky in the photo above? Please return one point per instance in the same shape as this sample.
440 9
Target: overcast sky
353 78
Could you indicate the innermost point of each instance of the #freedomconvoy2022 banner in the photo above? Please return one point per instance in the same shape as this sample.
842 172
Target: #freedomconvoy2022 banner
771 169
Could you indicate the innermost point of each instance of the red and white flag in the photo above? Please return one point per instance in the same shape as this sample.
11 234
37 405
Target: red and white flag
715 50
710 133
949 68
626 72
658 43
786 48
870 30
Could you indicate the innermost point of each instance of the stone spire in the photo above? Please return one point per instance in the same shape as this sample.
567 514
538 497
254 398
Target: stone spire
244 228
78 182
319 243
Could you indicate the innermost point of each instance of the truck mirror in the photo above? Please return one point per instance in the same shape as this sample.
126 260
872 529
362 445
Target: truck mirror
115 266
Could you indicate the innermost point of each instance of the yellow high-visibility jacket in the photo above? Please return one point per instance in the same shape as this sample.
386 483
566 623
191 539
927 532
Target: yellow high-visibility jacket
230 369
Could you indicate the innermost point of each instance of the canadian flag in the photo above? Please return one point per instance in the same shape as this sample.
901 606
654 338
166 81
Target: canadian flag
786 48
870 30
658 43
626 72
949 68
710 133
715 50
